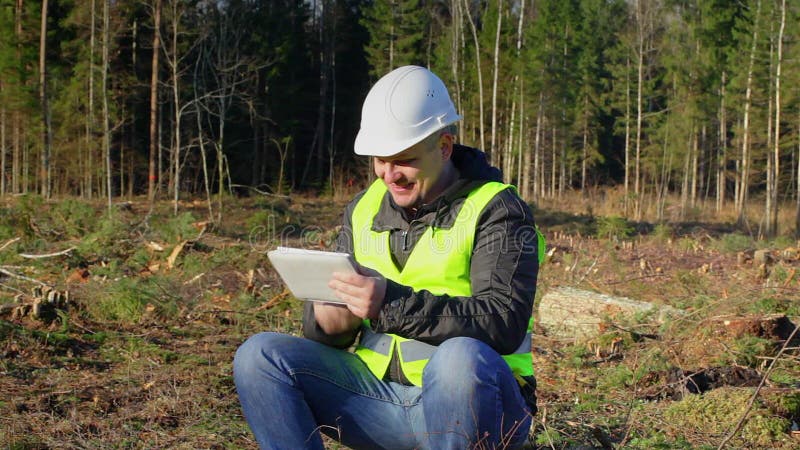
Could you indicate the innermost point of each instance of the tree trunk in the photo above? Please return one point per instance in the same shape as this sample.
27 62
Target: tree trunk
332 128
151 172
723 148
46 129
585 149
627 134
744 175
176 163
537 139
455 46
16 161
106 120
797 187
88 180
639 113
508 148
524 156
318 143
204 158
478 69
495 154
2 147
554 164
772 220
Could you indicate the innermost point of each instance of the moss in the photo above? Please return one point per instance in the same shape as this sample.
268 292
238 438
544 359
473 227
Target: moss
717 412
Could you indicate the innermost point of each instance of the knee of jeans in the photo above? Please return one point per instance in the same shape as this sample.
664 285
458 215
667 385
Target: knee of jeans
460 355
251 356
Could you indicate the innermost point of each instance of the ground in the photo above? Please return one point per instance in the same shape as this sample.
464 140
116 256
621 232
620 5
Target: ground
134 349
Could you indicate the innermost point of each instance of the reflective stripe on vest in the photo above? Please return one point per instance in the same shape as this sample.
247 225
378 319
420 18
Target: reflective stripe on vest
439 263
414 350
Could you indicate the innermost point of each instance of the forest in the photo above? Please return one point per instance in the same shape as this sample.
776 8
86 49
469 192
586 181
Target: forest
689 99
153 151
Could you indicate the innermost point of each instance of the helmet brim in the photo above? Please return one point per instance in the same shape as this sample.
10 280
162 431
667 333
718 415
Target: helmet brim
373 145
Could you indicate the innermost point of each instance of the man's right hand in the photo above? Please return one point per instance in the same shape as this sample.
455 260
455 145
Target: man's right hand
364 292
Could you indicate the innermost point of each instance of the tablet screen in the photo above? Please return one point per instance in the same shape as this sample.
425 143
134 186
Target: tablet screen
307 272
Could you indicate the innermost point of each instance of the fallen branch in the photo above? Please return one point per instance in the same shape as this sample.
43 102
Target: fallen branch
22 277
268 194
10 241
274 300
48 255
758 388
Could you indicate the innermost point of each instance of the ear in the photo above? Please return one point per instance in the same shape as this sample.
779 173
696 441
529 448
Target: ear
446 145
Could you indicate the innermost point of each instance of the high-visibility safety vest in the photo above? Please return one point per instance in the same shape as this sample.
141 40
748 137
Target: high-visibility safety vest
439 263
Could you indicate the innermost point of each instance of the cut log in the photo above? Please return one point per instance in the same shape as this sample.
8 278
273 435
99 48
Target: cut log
567 312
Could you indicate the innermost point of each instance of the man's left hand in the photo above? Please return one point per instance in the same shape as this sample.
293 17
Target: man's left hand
363 292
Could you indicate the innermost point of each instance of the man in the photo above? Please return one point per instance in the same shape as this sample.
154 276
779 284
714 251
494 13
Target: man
441 307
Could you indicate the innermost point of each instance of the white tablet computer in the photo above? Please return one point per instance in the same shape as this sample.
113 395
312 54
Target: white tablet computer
307 272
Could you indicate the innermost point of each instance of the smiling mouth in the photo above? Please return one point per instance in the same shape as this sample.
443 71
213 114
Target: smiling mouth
403 188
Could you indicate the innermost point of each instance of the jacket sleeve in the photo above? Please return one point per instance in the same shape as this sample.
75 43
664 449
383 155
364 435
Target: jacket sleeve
503 273
311 329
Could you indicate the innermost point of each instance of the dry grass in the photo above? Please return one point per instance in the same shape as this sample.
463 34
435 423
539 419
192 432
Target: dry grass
143 358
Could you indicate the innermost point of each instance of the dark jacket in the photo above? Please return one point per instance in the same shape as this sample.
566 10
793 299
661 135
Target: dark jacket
503 269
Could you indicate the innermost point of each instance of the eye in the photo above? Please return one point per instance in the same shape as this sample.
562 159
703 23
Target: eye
405 162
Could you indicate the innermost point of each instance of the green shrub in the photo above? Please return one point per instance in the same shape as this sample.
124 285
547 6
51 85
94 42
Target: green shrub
123 302
663 232
747 350
74 218
108 240
549 437
574 356
613 227
734 243
127 300
176 229
616 377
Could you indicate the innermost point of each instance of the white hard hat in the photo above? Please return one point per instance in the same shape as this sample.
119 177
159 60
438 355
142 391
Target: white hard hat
404 107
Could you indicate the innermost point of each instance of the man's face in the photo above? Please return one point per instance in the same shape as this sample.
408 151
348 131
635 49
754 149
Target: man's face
411 175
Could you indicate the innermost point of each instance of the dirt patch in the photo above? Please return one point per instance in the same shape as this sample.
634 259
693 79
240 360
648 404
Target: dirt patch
142 356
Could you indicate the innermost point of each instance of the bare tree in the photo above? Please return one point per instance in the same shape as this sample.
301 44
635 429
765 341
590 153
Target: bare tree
104 90
722 146
3 149
45 173
175 63
772 185
641 35
226 68
744 172
88 180
16 119
478 70
496 154
151 173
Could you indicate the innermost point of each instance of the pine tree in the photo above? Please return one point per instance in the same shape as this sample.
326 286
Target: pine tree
397 34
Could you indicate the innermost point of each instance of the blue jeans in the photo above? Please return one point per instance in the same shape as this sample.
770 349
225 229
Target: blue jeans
292 388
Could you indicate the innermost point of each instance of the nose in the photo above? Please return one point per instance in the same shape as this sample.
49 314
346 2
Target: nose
390 173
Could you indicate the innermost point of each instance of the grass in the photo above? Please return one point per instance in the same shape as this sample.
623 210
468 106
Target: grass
143 357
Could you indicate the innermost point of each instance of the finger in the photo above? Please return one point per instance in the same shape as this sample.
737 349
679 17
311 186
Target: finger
352 304
344 287
349 278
